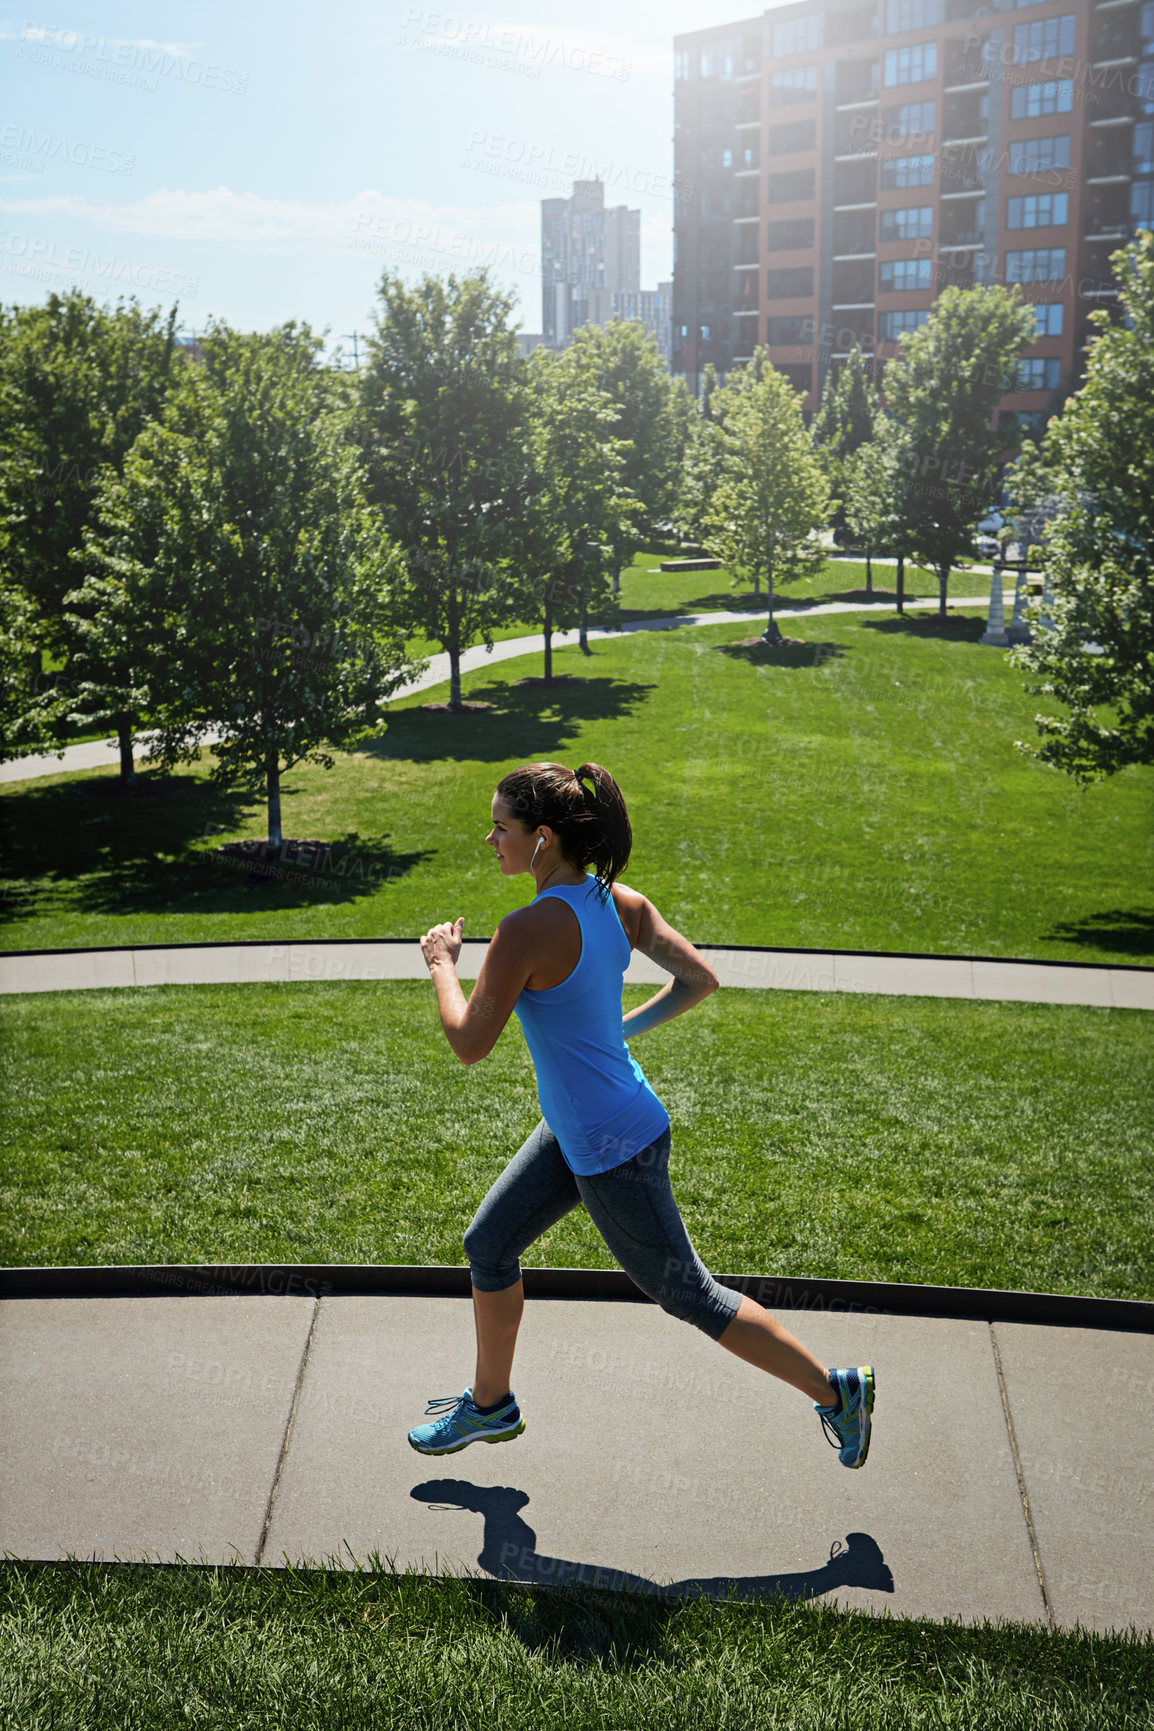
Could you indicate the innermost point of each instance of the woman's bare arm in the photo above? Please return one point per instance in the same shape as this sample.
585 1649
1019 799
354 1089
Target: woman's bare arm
693 978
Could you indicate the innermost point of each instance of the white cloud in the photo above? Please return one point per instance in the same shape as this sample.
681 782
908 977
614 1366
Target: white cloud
72 40
368 220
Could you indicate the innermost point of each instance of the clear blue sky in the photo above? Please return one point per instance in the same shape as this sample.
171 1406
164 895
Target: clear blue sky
263 162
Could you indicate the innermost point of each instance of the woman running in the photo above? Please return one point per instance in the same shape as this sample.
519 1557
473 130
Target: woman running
605 1136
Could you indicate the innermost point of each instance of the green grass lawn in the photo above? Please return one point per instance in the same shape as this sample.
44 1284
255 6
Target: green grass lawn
844 1136
860 792
647 592
90 1647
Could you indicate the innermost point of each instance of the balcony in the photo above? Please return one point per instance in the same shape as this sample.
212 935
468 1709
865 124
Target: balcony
967 232
854 232
962 172
965 65
1107 214
966 117
853 282
857 81
1115 37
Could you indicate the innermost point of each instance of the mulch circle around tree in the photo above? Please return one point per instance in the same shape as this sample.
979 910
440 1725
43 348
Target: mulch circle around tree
760 643
460 709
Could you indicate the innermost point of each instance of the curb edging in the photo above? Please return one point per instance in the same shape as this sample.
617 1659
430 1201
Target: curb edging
347 1280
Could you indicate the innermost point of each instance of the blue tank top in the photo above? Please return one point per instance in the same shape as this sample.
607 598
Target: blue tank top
593 1093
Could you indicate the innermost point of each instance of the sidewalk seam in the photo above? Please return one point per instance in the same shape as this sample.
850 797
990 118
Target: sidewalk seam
287 1438
1018 1473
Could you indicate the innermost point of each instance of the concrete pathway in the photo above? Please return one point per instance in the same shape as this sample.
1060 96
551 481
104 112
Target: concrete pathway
1008 1475
97 753
401 959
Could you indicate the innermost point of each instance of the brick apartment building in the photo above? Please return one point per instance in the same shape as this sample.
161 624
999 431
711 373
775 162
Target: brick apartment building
839 162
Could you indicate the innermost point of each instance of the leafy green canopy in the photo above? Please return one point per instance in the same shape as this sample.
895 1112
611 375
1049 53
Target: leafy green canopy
580 502
768 491
442 407
1093 642
941 394
238 581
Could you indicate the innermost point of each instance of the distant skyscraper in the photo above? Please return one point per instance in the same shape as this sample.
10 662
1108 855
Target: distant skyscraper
588 254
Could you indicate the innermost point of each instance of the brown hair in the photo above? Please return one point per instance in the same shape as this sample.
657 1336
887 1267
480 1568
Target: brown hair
591 820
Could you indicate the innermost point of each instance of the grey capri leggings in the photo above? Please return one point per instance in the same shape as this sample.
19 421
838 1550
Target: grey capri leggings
631 1206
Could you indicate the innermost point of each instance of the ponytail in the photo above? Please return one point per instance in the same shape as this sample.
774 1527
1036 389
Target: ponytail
586 808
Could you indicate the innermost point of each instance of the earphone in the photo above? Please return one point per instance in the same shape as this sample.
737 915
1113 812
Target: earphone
537 849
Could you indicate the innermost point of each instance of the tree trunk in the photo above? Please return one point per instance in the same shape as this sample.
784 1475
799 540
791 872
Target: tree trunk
901 582
272 771
548 639
583 628
124 737
943 586
616 569
869 575
772 632
454 650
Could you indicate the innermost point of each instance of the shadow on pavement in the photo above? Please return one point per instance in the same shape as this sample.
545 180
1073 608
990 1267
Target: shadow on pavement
509 1552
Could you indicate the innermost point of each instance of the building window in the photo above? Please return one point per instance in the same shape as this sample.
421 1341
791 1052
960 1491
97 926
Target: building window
680 64
1044 40
900 275
911 224
1047 319
717 59
1143 162
1038 210
907 118
789 330
892 325
1027 101
1037 155
750 155
1047 264
911 65
798 35
1142 203
797 184
792 135
800 85
899 172
902 15
789 283
791 235
1039 374
727 159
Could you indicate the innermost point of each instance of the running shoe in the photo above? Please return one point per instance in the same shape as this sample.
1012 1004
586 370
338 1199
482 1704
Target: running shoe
846 1423
458 1423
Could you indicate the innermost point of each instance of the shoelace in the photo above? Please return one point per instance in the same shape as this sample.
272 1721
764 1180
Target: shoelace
444 1402
832 1435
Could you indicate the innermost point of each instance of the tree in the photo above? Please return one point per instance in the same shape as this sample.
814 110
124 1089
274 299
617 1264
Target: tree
770 493
581 501
941 394
627 365
844 423
442 401
77 384
238 582
1093 642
